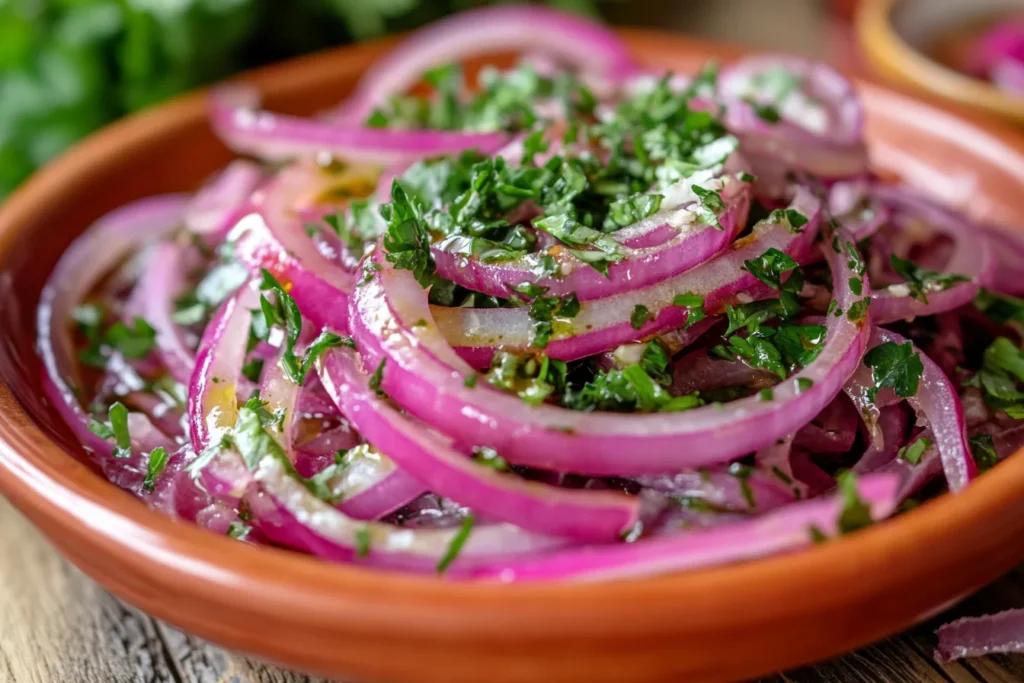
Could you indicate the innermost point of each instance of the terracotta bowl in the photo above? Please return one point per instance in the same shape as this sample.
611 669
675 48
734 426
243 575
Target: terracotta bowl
896 34
723 624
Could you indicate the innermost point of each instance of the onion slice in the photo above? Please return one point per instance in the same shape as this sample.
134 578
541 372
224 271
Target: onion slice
287 513
278 137
105 244
604 324
534 506
973 257
424 376
214 208
980 636
213 392
784 529
512 28
819 128
271 237
689 243
937 401
164 279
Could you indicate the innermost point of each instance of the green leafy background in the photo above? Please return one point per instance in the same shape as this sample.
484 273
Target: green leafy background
69 66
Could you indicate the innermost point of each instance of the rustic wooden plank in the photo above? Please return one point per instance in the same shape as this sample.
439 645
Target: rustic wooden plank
59 626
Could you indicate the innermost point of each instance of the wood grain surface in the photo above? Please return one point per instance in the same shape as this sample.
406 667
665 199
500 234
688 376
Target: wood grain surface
57 626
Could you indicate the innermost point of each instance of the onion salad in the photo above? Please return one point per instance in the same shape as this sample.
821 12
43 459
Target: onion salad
566 319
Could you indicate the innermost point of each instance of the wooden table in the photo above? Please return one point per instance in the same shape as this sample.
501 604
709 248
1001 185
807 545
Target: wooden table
57 626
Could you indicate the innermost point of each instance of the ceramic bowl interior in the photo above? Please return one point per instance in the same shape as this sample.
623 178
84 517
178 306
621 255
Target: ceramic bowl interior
722 624
916 41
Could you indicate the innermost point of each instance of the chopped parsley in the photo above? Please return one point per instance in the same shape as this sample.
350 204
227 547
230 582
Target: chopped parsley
920 281
709 206
855 514
116 429
639 317
377 377
771 266
252 369
252 438
462 203
768 113
896 366
406 239
1000 308
489 458
133 341
629 210
742 474
791 217
546 312
694 305
912 453
196 305
363 540
284 313
456 544
858 310
1001 372
799 345
984 451
532 378
639 387
156 463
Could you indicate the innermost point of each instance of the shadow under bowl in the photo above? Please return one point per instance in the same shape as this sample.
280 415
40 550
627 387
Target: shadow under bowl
721 624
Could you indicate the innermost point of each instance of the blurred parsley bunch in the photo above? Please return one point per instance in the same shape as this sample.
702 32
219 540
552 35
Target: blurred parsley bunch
69 66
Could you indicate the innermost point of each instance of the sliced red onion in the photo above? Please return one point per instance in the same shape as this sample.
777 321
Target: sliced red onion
313 400
892 425
973 257
213 392
936 400
163 280
534 506
281 395
215 208
781 530
833 430
278 137
287 513
852 204
980 636
271 237
371 486
820 126
815 480
165 416
689 243
1009 248
742 489
98 251
603 324
426 378
489 30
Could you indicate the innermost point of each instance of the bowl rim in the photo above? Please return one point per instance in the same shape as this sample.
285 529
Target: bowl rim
58 492
888 51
